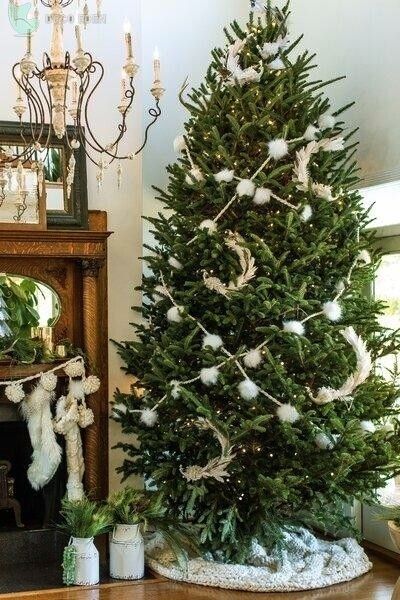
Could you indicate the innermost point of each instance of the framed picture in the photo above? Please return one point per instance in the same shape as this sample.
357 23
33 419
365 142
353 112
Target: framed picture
63 211
22 196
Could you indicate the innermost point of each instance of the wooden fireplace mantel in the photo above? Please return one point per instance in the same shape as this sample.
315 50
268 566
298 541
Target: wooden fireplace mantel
74 265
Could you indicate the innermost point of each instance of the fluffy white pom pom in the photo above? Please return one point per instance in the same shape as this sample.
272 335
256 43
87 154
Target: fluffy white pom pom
287 413
364 257
246 188
276 64
278 148
262 196
253 359
248 389
225 175
179 143
194 175
175 263
306 213
326 121
324 442
295 327
48 381
367 426
15 393
332 311
149 417
175 389
212 340
209 226
91 385
310 133
334 145
75 369
174 314
209 376
120 408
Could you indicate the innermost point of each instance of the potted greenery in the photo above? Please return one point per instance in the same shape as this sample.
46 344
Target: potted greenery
133 513
82 520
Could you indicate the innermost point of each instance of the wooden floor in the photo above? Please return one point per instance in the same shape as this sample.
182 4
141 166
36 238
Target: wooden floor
376 585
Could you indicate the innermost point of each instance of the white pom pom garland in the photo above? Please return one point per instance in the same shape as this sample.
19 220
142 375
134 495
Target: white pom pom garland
295 327
224 176
326 121
174 314
248 389
48 381
149 417
287 414
253 359
332 311
306 213
262 196
246 187
209 226
213 341
175 263
179 143
75 369
278 148
15 393
209 376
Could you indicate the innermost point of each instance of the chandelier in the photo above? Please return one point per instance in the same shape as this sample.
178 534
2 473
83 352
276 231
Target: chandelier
60 91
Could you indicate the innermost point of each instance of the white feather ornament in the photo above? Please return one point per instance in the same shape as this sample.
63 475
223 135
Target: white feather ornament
324 442
15 393
332 311
149 417
253 359
287 414
246 187
48 381
277 64
175 263
209 376
364 257
175 389
179 143
224 176
262 196
326 121
91 385
209 226
323 191
306 213
295 327
334 145
367 427
278 148
194 175
75 369
248 389
310 133
272 48
174 314
213 341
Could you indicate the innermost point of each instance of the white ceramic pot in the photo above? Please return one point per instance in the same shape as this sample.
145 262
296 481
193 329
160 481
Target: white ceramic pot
87 561
126 552
394 534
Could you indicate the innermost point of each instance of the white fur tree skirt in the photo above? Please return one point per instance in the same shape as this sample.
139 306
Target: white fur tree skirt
306 563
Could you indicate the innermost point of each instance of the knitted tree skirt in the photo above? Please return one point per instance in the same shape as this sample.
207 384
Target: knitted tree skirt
305 563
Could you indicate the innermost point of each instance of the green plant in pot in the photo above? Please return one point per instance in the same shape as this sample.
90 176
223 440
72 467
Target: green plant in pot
82 520
135 513
391 514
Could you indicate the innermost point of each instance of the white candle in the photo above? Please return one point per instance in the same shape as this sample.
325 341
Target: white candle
157 65
128 39
78 33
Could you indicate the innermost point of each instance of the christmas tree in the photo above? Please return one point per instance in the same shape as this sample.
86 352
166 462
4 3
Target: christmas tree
257 406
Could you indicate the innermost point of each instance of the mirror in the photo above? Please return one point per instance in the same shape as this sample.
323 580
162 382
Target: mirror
25 305
62 212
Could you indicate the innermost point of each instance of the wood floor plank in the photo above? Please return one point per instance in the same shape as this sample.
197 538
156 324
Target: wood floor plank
376 585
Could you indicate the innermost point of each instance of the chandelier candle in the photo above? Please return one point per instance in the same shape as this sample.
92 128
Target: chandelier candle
59 93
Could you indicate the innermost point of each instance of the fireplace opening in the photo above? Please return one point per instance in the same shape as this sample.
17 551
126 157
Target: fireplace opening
21 507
